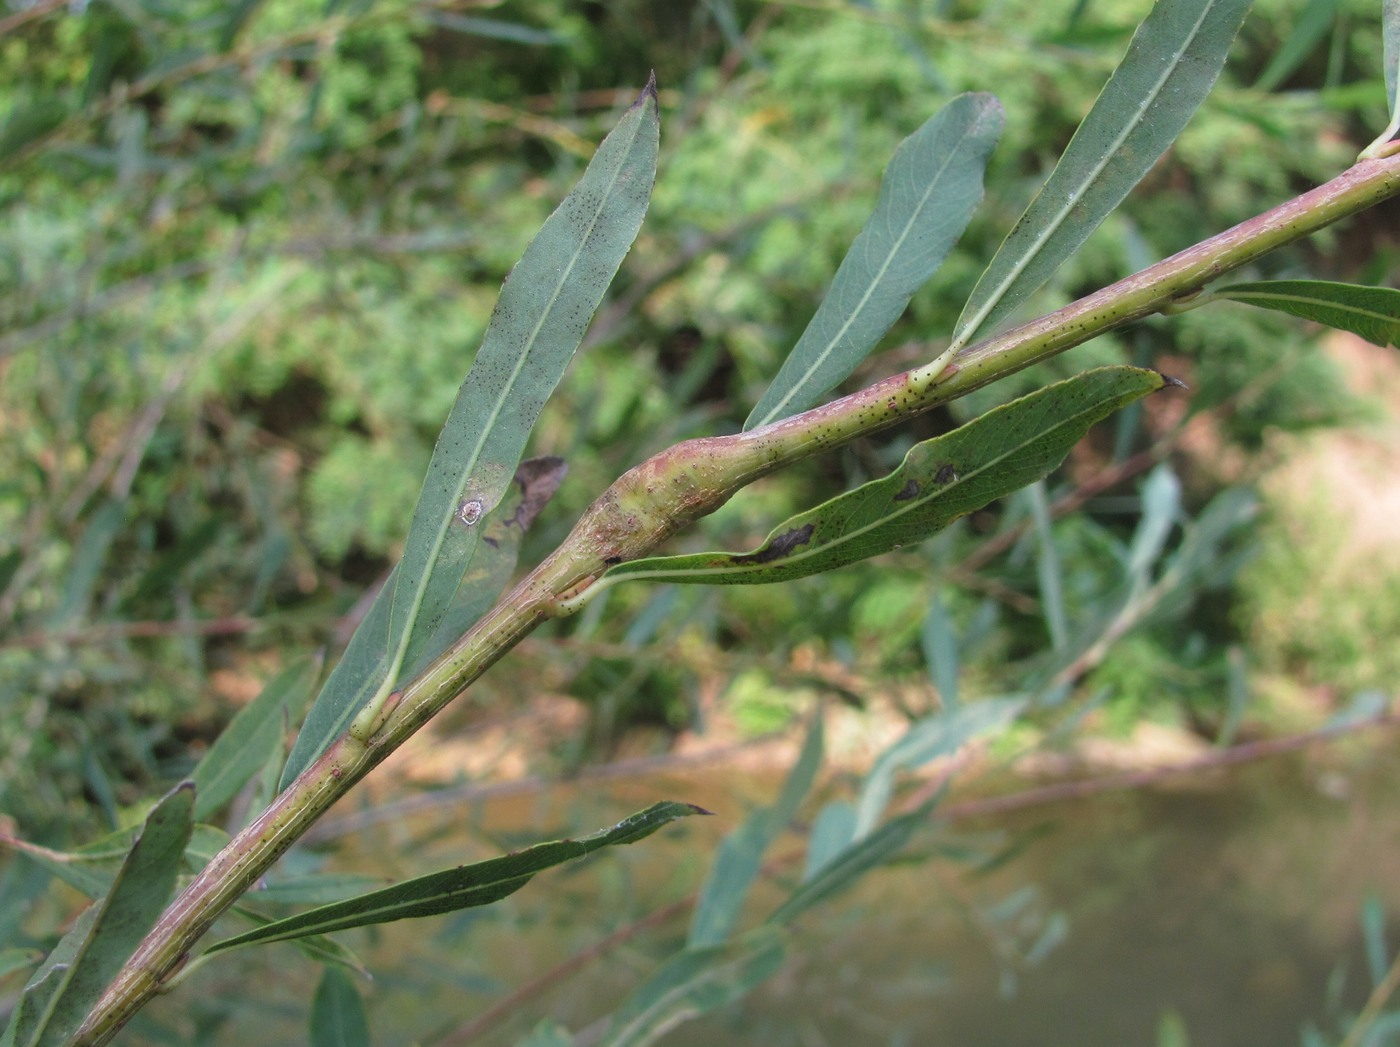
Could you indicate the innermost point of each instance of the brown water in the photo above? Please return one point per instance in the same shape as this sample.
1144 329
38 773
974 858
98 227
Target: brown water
1231 903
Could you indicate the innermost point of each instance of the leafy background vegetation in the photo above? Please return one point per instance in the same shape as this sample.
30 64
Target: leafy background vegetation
247 251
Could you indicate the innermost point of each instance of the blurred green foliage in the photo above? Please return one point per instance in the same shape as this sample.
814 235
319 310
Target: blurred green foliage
247 250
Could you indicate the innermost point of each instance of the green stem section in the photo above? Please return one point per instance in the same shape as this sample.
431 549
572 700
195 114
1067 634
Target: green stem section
661 496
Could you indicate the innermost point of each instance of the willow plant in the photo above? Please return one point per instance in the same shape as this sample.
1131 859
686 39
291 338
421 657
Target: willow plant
438 623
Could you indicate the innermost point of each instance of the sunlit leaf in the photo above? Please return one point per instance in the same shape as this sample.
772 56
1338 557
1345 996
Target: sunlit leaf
244 746
64 991
939 481
1373 313
462 887
364 665
695 982
544 309
1173 60
929 193
338 1016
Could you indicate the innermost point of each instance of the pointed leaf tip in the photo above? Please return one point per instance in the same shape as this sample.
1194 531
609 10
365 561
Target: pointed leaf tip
647 92
1177 383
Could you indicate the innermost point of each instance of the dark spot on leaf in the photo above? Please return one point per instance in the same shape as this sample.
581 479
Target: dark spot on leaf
908 491
780 546
946 474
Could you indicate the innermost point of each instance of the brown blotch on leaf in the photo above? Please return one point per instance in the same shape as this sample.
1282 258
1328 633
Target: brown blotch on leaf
781 546
946 474
908 491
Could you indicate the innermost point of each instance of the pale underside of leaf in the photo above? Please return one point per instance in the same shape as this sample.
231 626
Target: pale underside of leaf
1174 58
1373 313
544 309
928 195
939 481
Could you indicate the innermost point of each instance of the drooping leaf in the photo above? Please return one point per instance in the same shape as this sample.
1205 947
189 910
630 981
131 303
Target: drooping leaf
939 481
363 667
1173 60
1373 313
929 193
338 1016
250 738
695 982
462 887
65 990
544 309
740 854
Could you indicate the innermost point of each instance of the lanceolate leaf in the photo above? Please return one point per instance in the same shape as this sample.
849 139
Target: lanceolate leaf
63 992
545 306
1371 312
939 481
337 1013
930 190
1390 17
251 737
462 887
362 668
1170 66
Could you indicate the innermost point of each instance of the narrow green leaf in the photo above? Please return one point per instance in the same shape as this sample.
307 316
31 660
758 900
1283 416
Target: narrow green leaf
941 734
1173 60
536 480
695 982
938 641
1390 19
1373 937
130 908
841 871
1370 312
27 1020
461 887
250 738
338 1016
1048 572
1308 29
545 306
929 193
832 832
939 481
317 947
363 667
740 854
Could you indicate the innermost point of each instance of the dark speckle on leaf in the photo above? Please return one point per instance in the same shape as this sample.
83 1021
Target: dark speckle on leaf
908 491
781 546
946 474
